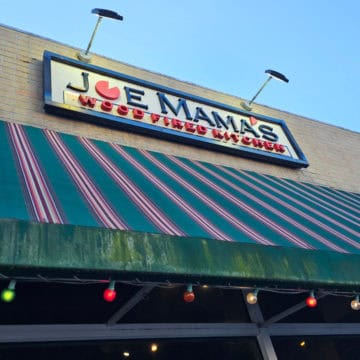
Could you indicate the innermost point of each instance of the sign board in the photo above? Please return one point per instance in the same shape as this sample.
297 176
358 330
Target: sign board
95 94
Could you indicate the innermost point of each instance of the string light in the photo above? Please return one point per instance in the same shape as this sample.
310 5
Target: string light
8 294
189 295
154 348
355 304
251 297
311 301
110 292
302 343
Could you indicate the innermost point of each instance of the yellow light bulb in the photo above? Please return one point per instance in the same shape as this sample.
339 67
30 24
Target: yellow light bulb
251 298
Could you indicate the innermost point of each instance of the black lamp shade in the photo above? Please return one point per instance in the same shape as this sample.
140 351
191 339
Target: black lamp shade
277 75
107 13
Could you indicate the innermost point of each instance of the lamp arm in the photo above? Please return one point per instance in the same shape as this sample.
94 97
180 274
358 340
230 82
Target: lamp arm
93 34
260 90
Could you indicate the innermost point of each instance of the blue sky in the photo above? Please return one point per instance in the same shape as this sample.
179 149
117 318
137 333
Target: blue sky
223 45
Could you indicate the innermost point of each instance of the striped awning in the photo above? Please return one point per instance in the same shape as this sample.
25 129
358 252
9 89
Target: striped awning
53 178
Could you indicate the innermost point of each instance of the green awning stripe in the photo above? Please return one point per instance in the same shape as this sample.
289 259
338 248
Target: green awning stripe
182 200
287 200
351 195
303 227
296 191
213 206
245 210
268 201
116 198
35 248
341 197
60 181
317 192
41 203
11 194
88 188
148 208
332 196
159 191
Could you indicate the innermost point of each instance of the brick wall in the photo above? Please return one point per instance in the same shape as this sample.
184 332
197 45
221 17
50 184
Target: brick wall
332 152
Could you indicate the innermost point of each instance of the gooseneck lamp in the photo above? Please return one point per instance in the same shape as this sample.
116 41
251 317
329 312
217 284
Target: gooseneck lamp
84 55
272 74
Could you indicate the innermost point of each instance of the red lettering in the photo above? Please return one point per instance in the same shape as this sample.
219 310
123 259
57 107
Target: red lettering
235 137
123 110
106 105
217 134
279 148
201 129
190 127
166 121
177 124
257 143
246 140
87 100
138 114
269 145
155 117
227 136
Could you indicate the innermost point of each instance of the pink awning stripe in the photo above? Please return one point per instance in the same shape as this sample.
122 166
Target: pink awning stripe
292 208
291 237
353 198
340 198
42 201
290 198
245 207
210 228
153 212
332 198
314 199
221 211
88 189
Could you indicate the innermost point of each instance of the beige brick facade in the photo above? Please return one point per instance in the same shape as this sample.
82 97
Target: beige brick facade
333 152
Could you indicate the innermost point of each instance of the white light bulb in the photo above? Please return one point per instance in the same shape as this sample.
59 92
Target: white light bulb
355 304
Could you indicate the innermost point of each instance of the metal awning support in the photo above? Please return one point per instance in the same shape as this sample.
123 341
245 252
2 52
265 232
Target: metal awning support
102 332
263 336
291 310
130 304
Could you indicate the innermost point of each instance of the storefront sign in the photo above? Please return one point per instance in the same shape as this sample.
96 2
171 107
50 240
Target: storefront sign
94 94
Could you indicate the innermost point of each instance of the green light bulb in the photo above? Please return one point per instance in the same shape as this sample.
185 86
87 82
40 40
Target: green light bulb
7 295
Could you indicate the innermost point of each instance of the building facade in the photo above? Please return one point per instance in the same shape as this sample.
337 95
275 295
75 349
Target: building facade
115 175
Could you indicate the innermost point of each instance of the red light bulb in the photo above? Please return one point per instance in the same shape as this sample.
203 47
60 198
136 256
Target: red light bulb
189 295
311 301
110 293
